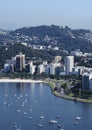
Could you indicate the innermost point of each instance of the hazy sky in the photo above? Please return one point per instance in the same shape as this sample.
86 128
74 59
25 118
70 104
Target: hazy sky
19 13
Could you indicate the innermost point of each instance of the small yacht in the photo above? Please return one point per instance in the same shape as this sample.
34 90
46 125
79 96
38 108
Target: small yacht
25 100
30 110
40 125
78 118
53 122
18 110
41 117
59 126
18 98
5 103
15 95
29 117
25 113
15 125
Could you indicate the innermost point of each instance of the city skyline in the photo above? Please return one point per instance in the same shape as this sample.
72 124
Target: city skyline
26 13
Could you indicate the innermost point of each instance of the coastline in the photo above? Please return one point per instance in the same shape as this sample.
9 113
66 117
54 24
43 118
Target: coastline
4 80
66 97
72 98
50 84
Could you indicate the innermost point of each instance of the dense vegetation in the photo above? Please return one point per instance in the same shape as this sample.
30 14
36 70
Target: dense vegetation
63 37
57 36
7 52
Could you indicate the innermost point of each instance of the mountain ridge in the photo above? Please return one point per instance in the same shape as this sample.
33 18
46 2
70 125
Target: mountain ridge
63 37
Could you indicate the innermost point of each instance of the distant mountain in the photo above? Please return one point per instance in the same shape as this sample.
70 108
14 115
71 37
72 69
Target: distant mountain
63 37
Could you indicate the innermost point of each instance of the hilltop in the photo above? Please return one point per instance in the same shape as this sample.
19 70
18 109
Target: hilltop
22 40
63 37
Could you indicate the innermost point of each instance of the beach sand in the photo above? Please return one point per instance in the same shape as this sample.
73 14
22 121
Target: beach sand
20 81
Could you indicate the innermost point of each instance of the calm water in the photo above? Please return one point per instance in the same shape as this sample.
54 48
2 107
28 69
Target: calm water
22 104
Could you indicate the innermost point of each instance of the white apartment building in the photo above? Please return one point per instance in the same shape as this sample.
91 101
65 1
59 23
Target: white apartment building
32 69
69 64
41 69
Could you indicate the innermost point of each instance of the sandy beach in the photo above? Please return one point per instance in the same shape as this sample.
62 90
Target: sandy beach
20 81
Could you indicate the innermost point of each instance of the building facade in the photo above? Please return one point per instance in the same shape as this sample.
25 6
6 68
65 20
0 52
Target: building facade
87 81
69 64
20 62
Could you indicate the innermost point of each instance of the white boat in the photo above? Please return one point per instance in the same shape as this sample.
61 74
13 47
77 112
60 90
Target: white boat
78 118
15 125
59 126
29 117
40 125
53 122
25 113
5 103
18 110
41 117
30 110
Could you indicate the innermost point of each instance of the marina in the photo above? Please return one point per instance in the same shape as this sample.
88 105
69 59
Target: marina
26 106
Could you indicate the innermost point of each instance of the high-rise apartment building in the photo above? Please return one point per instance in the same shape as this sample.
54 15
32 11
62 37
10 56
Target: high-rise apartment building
52 69
69 64
20 62
41 69
87 81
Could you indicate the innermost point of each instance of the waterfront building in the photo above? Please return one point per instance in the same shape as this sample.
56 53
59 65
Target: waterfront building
52 69
87 81
41 69
8 68
77 71
32 69
47 69
20 62
69 64
12 68
90 83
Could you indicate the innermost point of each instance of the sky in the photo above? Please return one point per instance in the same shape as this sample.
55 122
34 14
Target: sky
77 14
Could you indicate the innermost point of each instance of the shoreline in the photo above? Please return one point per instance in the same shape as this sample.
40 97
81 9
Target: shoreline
66 97
51 85
72 98
19 81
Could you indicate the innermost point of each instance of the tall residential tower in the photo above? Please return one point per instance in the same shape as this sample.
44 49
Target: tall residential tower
20 62
69 64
